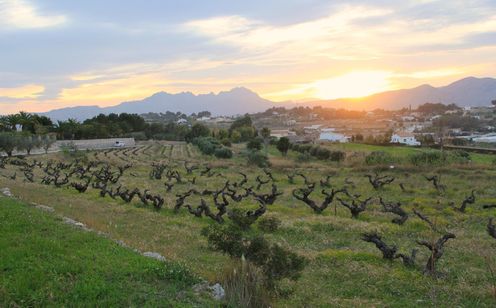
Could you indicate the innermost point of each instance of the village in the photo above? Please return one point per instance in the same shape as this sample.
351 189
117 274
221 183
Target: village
426 125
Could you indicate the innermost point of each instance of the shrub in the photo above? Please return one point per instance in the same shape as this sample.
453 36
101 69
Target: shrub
303 157
258 159
239 218
313 150
254 145
226 142
322 153
223 153
337 156
427 158
211 146
461 154
378 158
269 223
226 238
274 261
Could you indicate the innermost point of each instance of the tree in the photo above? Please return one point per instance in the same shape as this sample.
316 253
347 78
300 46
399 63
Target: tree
9 141
244 121
202 114
283 145
198 130
493 102
265 133
46 142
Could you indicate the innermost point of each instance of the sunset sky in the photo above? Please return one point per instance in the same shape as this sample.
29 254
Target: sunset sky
59 53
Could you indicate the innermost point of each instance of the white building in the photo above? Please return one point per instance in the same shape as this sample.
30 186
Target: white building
313 129
279 133
404 138
328 134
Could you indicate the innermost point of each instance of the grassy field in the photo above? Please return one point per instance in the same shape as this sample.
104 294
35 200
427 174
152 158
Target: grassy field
343 271
44 262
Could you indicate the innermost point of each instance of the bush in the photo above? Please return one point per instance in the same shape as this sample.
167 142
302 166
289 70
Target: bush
211 146
322 153
226 142
258 159
378 158
461 154
303 157
337 156
226 238
426 158
269 223
275 262
223 153
254 145
238 217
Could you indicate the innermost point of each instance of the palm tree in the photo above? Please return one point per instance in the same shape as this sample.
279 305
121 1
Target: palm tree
265 133
13 120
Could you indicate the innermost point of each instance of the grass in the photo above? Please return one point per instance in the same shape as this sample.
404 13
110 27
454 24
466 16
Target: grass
343 270
44 262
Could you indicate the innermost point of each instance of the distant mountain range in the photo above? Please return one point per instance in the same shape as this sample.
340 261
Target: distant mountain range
470 91
466 92
236 101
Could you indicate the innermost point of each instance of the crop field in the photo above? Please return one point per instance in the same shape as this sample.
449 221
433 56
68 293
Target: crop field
160 196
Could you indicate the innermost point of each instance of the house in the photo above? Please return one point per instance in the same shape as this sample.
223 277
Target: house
404 138
290 122
312 129
328 134
182 121
279 133
407 118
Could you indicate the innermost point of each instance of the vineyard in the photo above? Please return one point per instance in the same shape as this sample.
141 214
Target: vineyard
373 235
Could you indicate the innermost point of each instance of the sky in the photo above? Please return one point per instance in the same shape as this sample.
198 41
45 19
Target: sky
60 53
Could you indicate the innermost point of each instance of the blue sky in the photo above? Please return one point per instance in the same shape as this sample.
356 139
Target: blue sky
60 53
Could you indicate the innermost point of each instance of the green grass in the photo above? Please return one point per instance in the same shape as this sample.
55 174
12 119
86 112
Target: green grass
403 152
44 262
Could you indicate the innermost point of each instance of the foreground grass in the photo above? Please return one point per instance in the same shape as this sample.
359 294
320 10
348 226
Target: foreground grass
44 262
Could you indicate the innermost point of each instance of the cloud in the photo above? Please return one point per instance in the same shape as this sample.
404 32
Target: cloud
23 15
23 92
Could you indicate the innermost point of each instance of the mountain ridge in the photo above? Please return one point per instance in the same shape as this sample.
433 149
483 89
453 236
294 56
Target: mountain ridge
466 92
469 91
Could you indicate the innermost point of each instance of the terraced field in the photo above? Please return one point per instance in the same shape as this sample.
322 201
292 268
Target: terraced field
343 270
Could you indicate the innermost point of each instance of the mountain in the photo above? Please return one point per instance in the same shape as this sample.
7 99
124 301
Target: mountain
469 91
236 101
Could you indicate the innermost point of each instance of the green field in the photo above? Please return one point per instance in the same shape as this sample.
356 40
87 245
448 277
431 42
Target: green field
44 262
343 270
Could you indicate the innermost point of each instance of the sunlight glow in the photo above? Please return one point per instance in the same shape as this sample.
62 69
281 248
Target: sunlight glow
352 85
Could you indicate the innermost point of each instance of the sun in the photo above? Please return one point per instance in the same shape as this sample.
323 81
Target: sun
352 85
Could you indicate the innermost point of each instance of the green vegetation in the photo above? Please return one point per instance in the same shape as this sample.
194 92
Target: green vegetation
341 270
45 262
